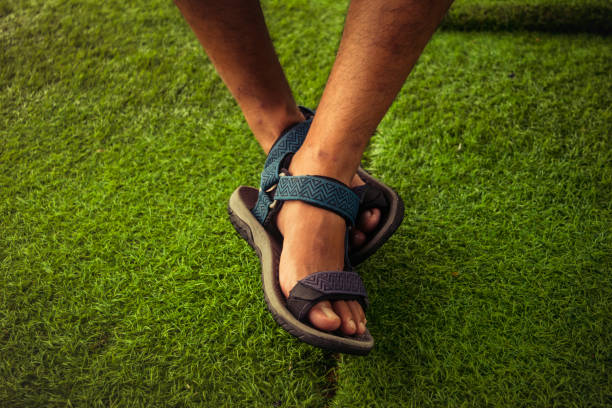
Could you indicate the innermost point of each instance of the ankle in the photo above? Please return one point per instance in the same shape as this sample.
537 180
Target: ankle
295 216
315 161
268 122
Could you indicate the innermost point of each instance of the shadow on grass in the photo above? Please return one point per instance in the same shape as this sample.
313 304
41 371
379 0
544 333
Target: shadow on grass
596 19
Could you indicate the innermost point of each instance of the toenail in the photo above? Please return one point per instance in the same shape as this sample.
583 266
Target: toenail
351 325
329 313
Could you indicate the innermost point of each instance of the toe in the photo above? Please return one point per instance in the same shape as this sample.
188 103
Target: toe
368 220
358 315
322 316
358 238
342 309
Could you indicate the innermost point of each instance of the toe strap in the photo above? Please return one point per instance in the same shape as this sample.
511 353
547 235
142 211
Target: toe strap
329 285
371 197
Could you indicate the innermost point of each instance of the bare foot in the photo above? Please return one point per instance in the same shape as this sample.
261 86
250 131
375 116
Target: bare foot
314 241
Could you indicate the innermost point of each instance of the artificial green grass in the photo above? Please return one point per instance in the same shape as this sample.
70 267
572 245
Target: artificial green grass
123 283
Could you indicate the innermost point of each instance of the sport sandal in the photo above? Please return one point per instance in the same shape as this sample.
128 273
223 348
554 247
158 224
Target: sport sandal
252 213
373 194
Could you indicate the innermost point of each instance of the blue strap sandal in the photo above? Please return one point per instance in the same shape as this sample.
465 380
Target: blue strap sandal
252 213
373 194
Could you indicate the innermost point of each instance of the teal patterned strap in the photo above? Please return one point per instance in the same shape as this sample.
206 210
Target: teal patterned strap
291 140
288 143
320 191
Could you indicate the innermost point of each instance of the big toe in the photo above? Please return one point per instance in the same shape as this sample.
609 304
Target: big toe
323 317
358 238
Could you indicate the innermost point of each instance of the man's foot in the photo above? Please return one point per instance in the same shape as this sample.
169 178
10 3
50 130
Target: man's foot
314 241
367 220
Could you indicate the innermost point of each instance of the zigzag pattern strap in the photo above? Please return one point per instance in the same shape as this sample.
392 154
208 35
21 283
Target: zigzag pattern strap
340 282
289 142
269 176
320 191
329 285
262 207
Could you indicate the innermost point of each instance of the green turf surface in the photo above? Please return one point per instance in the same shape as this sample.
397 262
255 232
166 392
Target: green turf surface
122 283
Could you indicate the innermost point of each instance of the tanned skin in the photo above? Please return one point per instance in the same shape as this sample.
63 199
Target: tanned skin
381 42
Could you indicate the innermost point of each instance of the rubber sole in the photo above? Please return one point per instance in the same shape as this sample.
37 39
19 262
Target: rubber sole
268 250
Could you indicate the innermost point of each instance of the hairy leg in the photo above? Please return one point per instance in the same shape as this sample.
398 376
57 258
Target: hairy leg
382 41
234 35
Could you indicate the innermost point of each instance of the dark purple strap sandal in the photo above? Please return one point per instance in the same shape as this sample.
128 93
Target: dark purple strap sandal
252 213
334 285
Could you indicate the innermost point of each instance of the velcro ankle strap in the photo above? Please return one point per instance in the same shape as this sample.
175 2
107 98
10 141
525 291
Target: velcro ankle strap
320 191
